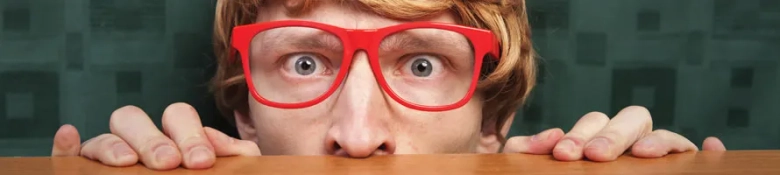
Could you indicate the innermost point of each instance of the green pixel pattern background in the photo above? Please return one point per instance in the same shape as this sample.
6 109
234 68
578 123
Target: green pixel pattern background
703 67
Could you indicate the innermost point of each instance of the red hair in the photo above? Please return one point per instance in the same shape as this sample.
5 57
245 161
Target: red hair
504 89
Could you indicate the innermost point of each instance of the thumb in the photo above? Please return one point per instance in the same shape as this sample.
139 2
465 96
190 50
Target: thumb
713 144
67 141
542 143
225 145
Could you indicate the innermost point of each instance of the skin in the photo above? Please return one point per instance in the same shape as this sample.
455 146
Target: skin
359 120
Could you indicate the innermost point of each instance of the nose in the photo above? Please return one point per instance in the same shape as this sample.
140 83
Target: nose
361 115
358 141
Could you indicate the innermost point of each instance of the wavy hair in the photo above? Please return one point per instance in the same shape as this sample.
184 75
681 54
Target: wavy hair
504 87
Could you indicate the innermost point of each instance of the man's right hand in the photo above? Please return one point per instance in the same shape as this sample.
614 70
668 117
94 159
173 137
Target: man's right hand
134 138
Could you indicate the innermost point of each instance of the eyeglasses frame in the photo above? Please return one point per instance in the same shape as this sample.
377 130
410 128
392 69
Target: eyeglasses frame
368 40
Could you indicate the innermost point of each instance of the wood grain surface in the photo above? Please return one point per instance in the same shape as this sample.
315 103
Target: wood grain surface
730 162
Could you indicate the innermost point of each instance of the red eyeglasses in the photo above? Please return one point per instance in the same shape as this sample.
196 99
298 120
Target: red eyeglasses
421 65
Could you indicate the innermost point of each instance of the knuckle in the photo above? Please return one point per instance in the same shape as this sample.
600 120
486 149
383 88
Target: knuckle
195 141
179 108
595 116
576 137
92 147
513 140
666 134
109 140
153 143
129 109
96 139
124 115
595 113
249 144
639 111
249 147
574 134
173 111
511 143
105 135
180 105
125 112
636 108
244 147
112 144
612 136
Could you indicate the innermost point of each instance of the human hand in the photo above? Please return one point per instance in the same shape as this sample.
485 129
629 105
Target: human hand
598 138
134 138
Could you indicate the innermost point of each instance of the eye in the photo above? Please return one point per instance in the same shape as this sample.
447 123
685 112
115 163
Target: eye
304 64
424 65
421 67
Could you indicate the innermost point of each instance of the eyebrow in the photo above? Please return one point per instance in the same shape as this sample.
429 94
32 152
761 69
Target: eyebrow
408 41
319 40
403 41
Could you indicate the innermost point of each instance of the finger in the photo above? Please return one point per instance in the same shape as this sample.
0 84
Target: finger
225 145
621 132
713 144
181 123
570 147
155 150
110 150
541 143
67 141
660 143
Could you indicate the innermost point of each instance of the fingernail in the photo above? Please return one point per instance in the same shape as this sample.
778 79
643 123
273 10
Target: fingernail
647 144
599 145
541 136
229 140
164 152
537 138
222 137
566 146
199 154
121 151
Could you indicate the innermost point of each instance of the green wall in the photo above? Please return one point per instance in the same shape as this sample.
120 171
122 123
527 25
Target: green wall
703 67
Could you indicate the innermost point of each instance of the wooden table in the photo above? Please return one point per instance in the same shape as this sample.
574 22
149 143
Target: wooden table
731 162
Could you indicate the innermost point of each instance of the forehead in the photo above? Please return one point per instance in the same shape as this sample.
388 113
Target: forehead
347 14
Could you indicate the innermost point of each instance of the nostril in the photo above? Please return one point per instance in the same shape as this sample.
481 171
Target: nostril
351 147
385 149
336 146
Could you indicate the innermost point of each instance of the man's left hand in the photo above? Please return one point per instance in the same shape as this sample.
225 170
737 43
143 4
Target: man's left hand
599 138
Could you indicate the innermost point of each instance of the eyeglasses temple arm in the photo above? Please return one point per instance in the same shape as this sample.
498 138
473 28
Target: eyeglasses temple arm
496 51
232 54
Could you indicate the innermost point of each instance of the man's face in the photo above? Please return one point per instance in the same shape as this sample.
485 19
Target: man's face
359 119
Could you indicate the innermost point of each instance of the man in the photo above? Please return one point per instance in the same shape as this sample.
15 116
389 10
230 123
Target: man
363 78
